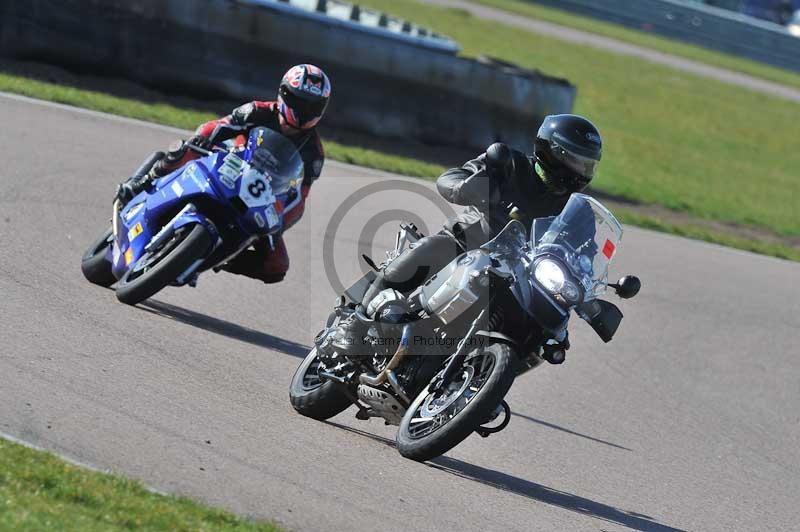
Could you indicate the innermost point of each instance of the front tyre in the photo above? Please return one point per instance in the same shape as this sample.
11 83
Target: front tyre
437 422
311 396
161 267
94 264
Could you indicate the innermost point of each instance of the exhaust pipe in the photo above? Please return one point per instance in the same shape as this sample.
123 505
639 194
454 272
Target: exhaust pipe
399 355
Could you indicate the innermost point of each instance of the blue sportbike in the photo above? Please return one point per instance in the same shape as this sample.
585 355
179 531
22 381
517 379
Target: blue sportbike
198 217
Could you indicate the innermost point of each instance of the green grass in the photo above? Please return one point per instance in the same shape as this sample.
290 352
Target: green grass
39 491
649 40
699 232
691 144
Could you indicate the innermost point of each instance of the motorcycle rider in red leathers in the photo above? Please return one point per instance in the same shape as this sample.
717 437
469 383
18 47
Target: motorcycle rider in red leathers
303 96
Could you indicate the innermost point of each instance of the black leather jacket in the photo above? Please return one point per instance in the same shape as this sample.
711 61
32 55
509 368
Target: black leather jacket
491 203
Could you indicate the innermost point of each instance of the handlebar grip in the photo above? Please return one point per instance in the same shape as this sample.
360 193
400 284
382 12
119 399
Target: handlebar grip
198 149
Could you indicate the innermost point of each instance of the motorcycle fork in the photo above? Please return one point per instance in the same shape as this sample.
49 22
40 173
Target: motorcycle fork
460 354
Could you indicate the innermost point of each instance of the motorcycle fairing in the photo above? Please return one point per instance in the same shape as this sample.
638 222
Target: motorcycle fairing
146 214
225 182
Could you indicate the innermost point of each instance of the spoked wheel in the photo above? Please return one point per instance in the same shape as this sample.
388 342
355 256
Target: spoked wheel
436 422
313 397
94 264
161 267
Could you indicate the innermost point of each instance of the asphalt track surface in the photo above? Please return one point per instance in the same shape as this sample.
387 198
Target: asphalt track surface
572 35
688 420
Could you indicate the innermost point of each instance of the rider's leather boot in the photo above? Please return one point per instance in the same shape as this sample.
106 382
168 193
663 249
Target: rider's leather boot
555 352
349 337
142 178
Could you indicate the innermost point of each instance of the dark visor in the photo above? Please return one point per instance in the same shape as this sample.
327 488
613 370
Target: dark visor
585 166
305 109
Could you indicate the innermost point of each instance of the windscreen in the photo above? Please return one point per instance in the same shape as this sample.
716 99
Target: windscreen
510 241
585 236
277 157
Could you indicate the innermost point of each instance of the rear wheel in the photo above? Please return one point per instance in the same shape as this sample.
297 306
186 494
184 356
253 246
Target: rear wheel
313 397
94 264
436 422
161 267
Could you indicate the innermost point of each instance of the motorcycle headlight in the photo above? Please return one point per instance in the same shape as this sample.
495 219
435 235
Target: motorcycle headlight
551 275
570 292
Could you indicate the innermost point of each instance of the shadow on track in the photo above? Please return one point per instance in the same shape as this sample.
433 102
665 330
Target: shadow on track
556 427
532 490
225 328
554 497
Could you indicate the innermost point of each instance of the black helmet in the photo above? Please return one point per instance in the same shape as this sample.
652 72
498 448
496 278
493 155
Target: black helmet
568 150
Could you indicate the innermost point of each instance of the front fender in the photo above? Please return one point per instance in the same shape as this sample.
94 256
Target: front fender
187 216
498 337
194 217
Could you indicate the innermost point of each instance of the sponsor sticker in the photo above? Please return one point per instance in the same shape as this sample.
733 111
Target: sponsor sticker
177 189
128 257
133 211
135 231
259 220
272 216
230 170
202 184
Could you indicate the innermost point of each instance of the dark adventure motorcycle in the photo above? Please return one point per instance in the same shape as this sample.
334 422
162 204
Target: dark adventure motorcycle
439 361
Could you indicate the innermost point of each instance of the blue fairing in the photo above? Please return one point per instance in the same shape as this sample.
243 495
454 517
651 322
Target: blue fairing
145 215
230 189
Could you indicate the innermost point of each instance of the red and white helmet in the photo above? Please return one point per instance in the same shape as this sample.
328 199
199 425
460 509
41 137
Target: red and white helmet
303 96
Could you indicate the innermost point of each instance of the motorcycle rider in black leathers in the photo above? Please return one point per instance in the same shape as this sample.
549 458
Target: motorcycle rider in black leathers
500 185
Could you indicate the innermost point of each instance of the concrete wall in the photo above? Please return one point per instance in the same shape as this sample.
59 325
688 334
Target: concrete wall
707 26
354 17
382 85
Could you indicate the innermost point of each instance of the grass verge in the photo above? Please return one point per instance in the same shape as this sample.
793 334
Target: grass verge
648 40
39 491
697 231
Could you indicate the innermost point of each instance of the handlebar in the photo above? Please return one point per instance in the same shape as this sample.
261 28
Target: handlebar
202 151
231 128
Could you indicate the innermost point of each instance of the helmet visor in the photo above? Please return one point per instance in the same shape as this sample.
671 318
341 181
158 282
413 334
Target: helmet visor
586 167
304 109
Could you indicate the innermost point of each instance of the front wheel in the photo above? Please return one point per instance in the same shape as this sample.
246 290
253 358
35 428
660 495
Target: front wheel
436 422
313 397
163 266
94 264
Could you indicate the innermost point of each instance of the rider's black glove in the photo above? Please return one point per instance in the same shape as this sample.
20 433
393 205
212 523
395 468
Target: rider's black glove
499 168
129 189
201 141
499 162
